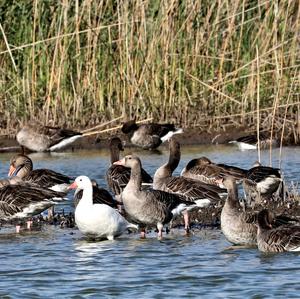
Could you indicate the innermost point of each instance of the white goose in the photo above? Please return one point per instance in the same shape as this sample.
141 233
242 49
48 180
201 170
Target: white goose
97 220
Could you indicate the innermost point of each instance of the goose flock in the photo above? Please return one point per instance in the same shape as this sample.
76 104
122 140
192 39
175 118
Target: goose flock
138 202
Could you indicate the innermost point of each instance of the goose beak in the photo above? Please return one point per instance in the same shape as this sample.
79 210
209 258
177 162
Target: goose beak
73 186
120 162
12 170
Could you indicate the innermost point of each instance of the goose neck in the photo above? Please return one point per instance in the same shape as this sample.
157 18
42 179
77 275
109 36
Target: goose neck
114 154
135 178
24 169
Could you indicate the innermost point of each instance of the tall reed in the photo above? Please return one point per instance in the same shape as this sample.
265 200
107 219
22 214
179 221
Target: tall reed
190 62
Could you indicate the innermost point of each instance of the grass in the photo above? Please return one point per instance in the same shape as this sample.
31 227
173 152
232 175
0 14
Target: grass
196 63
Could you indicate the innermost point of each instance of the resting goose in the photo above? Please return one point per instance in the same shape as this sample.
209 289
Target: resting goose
117 176
149 136
261 182
239 226
21 166
39 138
204 170
20 201
97 220
100 196
250 142
280 239
149 207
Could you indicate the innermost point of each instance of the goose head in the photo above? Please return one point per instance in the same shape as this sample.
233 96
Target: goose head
116 143
129 126
129 161
20 164
81 183
265 219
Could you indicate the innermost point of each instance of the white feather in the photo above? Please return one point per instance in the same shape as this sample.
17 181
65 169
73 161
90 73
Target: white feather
264 185
64 143
170 134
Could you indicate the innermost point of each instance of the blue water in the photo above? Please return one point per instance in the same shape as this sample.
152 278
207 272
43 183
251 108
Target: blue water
55 262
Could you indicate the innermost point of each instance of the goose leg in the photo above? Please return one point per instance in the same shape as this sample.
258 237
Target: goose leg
186 222
51 213
160 228
18 228
29 224
143 233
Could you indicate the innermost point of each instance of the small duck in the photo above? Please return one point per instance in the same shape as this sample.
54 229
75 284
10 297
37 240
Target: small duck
204 170
149 136
38 138
95 220
280 239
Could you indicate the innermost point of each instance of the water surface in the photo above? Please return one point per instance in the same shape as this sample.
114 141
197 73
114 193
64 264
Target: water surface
60 263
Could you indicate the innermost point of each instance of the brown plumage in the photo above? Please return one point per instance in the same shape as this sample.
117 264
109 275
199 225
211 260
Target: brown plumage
18 201
149 136
191 189
40 138
149 207
117 176
22 167
204 170
280 239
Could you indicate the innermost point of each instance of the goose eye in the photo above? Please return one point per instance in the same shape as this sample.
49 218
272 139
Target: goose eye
129 158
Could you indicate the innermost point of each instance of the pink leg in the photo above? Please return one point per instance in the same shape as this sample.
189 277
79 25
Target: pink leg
143 233
186 222
18 228
29 224
160 228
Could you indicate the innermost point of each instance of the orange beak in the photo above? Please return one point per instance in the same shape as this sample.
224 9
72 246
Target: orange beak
120 162
73 186
12 169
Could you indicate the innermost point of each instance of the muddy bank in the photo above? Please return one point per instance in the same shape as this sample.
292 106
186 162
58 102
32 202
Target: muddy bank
191 136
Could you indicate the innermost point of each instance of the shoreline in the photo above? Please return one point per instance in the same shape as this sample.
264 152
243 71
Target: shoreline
190 136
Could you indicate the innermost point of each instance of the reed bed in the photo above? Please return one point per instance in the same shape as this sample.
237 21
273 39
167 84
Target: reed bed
196 63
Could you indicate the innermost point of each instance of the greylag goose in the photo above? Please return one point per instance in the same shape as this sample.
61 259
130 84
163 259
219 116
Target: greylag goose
192 190
250 142
39 138
21 201
21 166
117 176
94 219
261 183
280 239
100 196
149 136
204 170
149 207
237 225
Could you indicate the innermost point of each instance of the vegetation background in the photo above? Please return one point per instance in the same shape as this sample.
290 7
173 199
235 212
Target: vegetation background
207 64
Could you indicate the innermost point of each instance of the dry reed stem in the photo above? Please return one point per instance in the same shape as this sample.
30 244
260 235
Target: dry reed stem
114 128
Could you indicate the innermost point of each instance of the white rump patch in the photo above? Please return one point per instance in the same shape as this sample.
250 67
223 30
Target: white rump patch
64 143
170 134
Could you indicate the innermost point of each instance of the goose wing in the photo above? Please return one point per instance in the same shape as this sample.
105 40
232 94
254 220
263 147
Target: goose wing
117 178
284 238
47 178
190 189
16 198
259 173
100 196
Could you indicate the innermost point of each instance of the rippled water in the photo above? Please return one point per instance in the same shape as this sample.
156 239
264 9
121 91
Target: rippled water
59 263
